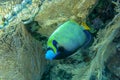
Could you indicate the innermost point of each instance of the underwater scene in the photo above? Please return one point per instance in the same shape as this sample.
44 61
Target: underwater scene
59 39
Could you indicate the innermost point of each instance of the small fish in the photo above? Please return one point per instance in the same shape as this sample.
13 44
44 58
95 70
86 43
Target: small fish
67 39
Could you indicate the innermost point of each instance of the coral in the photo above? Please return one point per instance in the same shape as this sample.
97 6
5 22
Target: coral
22 47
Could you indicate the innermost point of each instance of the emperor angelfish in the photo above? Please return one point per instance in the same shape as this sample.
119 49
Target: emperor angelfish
66 40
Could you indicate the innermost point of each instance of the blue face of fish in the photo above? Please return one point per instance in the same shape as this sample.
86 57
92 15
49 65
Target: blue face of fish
50 55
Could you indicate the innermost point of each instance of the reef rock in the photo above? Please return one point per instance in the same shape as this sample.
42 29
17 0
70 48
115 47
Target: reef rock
21 56
54 13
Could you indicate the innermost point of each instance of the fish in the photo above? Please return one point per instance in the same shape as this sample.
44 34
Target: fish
67 39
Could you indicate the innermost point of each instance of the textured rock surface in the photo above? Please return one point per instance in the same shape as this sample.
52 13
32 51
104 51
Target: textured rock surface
21 56
55 12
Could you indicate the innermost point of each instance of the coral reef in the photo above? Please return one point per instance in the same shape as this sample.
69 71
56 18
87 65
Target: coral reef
22 46
94 63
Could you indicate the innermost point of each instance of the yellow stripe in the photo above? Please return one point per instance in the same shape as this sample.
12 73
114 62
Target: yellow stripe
50 44
86 27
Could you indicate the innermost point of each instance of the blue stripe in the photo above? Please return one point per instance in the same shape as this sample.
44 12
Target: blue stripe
88 40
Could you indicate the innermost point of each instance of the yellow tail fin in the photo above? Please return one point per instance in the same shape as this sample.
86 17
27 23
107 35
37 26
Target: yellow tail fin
86 27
